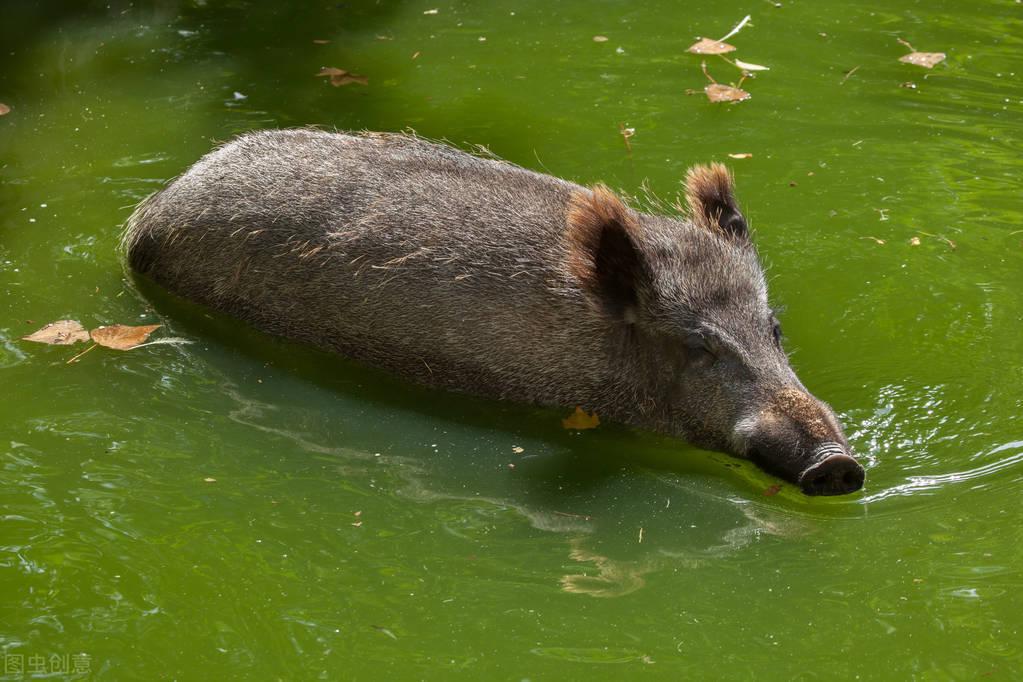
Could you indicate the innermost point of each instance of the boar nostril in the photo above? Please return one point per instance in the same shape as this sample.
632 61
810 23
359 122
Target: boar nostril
834 475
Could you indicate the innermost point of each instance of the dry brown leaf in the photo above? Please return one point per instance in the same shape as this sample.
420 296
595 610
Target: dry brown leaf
59 333
745 155
924 59
339 77
580 420
709 46
4 109
716 92
122 336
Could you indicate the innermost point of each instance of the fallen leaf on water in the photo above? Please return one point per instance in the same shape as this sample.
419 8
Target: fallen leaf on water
4 109
580 420
909 85
924 59
320 42
710 46
59 333
874 239
716 92
751 67
626 134
600 39
772 490
339 77
914 241
209 479
431 11
122 336
518 450
744 155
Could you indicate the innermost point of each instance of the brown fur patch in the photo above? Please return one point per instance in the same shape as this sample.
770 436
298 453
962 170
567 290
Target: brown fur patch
711 198
590 215
804 410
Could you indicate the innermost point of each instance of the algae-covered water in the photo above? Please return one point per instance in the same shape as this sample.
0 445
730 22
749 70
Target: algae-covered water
238 507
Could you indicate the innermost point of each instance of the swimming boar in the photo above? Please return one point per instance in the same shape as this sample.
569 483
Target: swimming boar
474 274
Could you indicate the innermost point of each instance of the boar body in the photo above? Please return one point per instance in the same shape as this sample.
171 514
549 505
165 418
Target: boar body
476 275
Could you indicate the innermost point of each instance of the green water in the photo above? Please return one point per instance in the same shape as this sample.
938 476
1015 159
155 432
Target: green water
360 528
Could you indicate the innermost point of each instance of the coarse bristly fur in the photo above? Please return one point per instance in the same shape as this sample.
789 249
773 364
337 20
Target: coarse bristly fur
477 275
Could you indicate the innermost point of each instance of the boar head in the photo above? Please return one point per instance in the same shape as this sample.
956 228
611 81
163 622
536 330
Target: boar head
695 347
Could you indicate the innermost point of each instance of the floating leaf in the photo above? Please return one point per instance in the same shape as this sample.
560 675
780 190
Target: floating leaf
339 77
745 155
209 479
122 336
716 92
4 109
924 59
59 333
751 67
580 420
914 241
431 11
710 46
600 39
320 41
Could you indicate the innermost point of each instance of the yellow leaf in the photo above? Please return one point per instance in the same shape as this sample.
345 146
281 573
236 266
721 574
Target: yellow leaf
580 420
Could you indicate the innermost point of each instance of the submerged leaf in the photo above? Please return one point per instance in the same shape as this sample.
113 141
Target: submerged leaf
121 336
59 333
716 92
709 46
580 420
924 59
339 77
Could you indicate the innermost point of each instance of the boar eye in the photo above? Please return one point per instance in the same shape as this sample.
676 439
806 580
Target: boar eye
701 350
776 333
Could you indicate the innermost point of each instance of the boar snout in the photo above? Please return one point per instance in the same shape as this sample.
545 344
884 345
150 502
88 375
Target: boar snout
836 474
798 438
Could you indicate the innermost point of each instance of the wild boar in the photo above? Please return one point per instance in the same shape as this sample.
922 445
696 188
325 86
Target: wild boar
477 275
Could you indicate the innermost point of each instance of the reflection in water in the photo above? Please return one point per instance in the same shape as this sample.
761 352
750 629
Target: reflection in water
612 577
616 578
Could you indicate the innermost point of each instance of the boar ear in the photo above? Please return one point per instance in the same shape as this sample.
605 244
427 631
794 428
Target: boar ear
711 199
603 242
